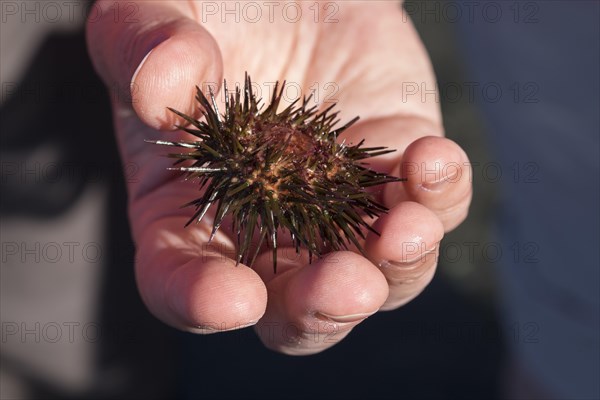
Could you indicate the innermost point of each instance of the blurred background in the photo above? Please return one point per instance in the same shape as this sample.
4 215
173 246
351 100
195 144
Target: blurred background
73 325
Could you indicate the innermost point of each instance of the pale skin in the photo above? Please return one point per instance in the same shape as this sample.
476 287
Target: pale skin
370 53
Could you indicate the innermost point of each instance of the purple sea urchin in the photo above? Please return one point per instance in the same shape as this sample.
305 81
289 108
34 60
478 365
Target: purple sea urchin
284 171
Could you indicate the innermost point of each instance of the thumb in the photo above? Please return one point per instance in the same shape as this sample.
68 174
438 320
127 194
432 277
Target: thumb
153 57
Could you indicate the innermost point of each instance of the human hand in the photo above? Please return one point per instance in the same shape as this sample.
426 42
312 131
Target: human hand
369 54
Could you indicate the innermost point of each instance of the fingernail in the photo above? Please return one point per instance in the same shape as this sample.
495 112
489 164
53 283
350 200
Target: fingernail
213 328
139 67
344 318
438 185
409 262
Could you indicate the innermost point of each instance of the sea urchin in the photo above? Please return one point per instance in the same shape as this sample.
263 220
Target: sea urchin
273 172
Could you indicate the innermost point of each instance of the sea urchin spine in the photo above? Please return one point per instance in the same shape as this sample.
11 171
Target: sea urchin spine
272 172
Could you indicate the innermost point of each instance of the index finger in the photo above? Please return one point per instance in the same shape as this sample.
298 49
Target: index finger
185 281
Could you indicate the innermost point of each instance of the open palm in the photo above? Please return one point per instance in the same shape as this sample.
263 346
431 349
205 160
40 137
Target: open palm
365 56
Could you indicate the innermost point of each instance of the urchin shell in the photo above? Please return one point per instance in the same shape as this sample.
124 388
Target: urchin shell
278 172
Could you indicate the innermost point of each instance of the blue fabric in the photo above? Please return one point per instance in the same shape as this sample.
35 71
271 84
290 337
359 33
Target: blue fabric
549 133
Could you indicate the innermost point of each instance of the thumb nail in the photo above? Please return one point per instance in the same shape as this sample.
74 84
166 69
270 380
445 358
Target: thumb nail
139 67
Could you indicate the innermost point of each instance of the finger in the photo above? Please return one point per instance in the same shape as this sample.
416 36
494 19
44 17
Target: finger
406 250
394 133
312 307
438 176
193 286
154 60
183 280
437 169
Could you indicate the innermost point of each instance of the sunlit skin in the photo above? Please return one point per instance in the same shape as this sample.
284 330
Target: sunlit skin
368 53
